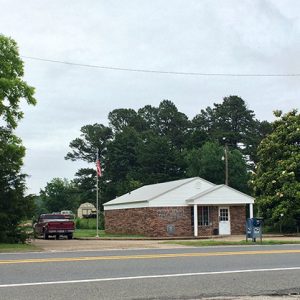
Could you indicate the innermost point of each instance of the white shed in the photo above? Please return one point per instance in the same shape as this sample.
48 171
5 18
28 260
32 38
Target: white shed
85 209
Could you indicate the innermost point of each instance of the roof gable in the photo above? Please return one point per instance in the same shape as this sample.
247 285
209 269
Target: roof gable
179 195
221 194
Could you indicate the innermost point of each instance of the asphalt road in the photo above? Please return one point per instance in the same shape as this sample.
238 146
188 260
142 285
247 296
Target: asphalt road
189 273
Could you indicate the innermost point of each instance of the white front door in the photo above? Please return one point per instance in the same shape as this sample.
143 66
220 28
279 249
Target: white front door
224 220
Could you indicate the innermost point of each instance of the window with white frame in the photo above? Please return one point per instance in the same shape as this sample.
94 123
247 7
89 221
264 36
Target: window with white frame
203 216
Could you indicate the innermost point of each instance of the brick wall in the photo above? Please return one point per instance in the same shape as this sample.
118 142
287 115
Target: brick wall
156 222
237 219
168 221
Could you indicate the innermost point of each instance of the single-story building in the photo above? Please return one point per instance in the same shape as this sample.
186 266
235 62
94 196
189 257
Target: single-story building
187 207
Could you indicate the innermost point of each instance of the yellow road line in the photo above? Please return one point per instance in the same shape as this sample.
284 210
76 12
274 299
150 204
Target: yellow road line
146 256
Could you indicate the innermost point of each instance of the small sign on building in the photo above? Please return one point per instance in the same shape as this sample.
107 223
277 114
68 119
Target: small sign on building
171 229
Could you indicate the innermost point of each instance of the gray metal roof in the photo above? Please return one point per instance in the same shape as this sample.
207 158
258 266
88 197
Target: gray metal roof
150 192
179 193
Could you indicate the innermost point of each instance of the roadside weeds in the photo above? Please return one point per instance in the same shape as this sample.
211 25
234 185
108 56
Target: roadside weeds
14 248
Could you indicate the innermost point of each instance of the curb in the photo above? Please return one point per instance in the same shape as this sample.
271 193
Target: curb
177 238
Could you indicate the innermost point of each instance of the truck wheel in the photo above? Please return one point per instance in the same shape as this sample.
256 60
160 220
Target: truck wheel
70 236
45 235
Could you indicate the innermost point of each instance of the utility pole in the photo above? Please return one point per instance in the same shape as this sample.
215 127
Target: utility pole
97 201
225 158
226 163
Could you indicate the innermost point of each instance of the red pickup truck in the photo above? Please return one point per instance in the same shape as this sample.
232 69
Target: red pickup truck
55 225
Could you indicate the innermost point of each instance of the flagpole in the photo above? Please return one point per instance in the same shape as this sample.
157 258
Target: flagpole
97 201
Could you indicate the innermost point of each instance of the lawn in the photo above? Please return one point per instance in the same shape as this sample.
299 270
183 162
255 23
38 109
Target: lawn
83 233
18 248
200 243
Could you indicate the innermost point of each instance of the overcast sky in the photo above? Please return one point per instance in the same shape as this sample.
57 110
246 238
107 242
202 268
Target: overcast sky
212 36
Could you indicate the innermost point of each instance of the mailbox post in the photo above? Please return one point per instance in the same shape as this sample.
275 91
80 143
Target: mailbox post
254 229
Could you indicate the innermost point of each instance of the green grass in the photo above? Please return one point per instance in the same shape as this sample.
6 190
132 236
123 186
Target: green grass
200 243
18 248
87 223
83 233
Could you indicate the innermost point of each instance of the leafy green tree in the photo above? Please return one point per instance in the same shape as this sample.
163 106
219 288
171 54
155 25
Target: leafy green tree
157 160
60 194
234 122
149 146
277 179
208 163
85 182
122 156
12 87
14 205
39 207
122 159
261 130
121 118
150 116
172 124
94 138
238 173
162 129
167 121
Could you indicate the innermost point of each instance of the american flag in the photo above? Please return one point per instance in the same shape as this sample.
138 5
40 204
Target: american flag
98 166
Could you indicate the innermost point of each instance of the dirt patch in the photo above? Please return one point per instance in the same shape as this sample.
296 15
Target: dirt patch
76 245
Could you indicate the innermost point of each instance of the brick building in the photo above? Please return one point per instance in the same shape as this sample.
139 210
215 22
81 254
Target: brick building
187 207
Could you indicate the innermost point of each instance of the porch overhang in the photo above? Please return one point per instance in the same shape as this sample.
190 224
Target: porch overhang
221 195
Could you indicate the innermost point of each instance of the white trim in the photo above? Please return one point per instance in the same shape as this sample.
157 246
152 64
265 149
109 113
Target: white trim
251 210
112 204
144 204
195 220
140 204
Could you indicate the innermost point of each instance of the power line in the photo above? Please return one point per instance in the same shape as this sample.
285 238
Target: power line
162 72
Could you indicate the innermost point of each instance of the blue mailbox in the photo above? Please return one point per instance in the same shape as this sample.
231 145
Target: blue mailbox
254 229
